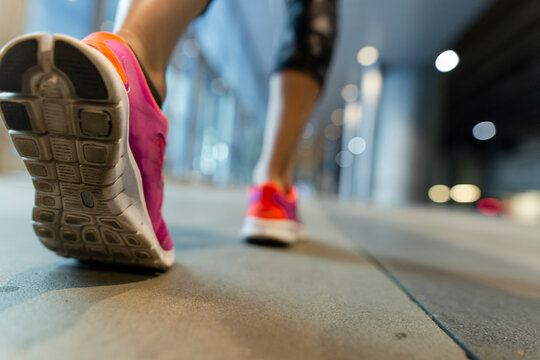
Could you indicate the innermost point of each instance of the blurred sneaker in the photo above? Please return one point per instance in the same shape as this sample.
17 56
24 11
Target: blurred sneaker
272 216
82 117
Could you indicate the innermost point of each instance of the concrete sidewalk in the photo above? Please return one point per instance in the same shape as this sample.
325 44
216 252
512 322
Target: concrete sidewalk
223 299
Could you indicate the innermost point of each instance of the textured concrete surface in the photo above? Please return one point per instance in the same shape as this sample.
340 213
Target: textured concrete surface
480 276
223 299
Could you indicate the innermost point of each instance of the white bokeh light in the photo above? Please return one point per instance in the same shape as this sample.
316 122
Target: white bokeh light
484 130
357 145
439 194
221 151
465 193
367 56
353 114
447 61
525 207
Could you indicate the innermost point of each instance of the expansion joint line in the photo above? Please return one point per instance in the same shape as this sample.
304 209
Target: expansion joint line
468 351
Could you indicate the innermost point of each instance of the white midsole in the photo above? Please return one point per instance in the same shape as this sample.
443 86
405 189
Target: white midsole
285 231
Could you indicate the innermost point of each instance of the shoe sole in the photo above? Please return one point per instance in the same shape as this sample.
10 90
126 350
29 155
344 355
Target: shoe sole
67 113
271 232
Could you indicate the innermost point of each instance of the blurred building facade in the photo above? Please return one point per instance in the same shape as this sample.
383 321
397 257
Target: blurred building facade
389 126
498 81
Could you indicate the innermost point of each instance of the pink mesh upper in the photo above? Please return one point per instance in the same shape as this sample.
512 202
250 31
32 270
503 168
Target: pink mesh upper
147 136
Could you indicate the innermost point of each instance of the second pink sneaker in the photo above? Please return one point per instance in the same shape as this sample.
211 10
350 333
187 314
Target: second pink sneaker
92 137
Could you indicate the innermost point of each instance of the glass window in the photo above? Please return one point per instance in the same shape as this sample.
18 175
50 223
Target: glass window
211 135
76 18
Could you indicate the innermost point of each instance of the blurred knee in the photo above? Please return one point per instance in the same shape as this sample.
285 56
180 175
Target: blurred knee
308 40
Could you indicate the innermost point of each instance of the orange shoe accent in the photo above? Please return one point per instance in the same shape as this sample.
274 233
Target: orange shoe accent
267 211
266 207
97 41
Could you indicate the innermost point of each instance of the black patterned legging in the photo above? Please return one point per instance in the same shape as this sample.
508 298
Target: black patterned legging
308 40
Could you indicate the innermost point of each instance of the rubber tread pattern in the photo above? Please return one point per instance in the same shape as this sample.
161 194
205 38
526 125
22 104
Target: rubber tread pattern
16 116
82 73
19 58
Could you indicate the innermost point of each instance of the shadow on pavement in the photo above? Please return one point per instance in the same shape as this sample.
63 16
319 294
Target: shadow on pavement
316 249
57 311
189 238
37 281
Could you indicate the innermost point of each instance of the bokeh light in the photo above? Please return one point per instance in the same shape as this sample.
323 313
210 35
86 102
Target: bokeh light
439 194
349 93
332 132
357 145
372 85
447 61
525 207
344 159
353 114
489 206
484 130
221 151
367 56
337 116
465 193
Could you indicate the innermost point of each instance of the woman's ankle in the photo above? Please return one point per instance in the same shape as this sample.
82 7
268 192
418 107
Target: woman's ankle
262 177
156 75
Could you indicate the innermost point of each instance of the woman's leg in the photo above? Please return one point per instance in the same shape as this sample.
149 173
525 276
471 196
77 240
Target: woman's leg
153 27
295 86
293 94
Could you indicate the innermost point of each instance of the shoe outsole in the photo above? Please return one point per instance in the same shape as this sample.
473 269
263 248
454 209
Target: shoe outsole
66 110
271 232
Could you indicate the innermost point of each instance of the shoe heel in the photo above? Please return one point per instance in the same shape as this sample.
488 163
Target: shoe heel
66 111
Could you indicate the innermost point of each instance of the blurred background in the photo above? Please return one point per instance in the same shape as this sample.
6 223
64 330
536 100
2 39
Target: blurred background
427 101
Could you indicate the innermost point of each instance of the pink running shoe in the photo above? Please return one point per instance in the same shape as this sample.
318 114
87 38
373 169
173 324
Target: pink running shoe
81 116
272 216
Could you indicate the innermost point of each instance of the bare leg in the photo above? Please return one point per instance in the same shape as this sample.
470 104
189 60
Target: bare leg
152 28
293 95
305 52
